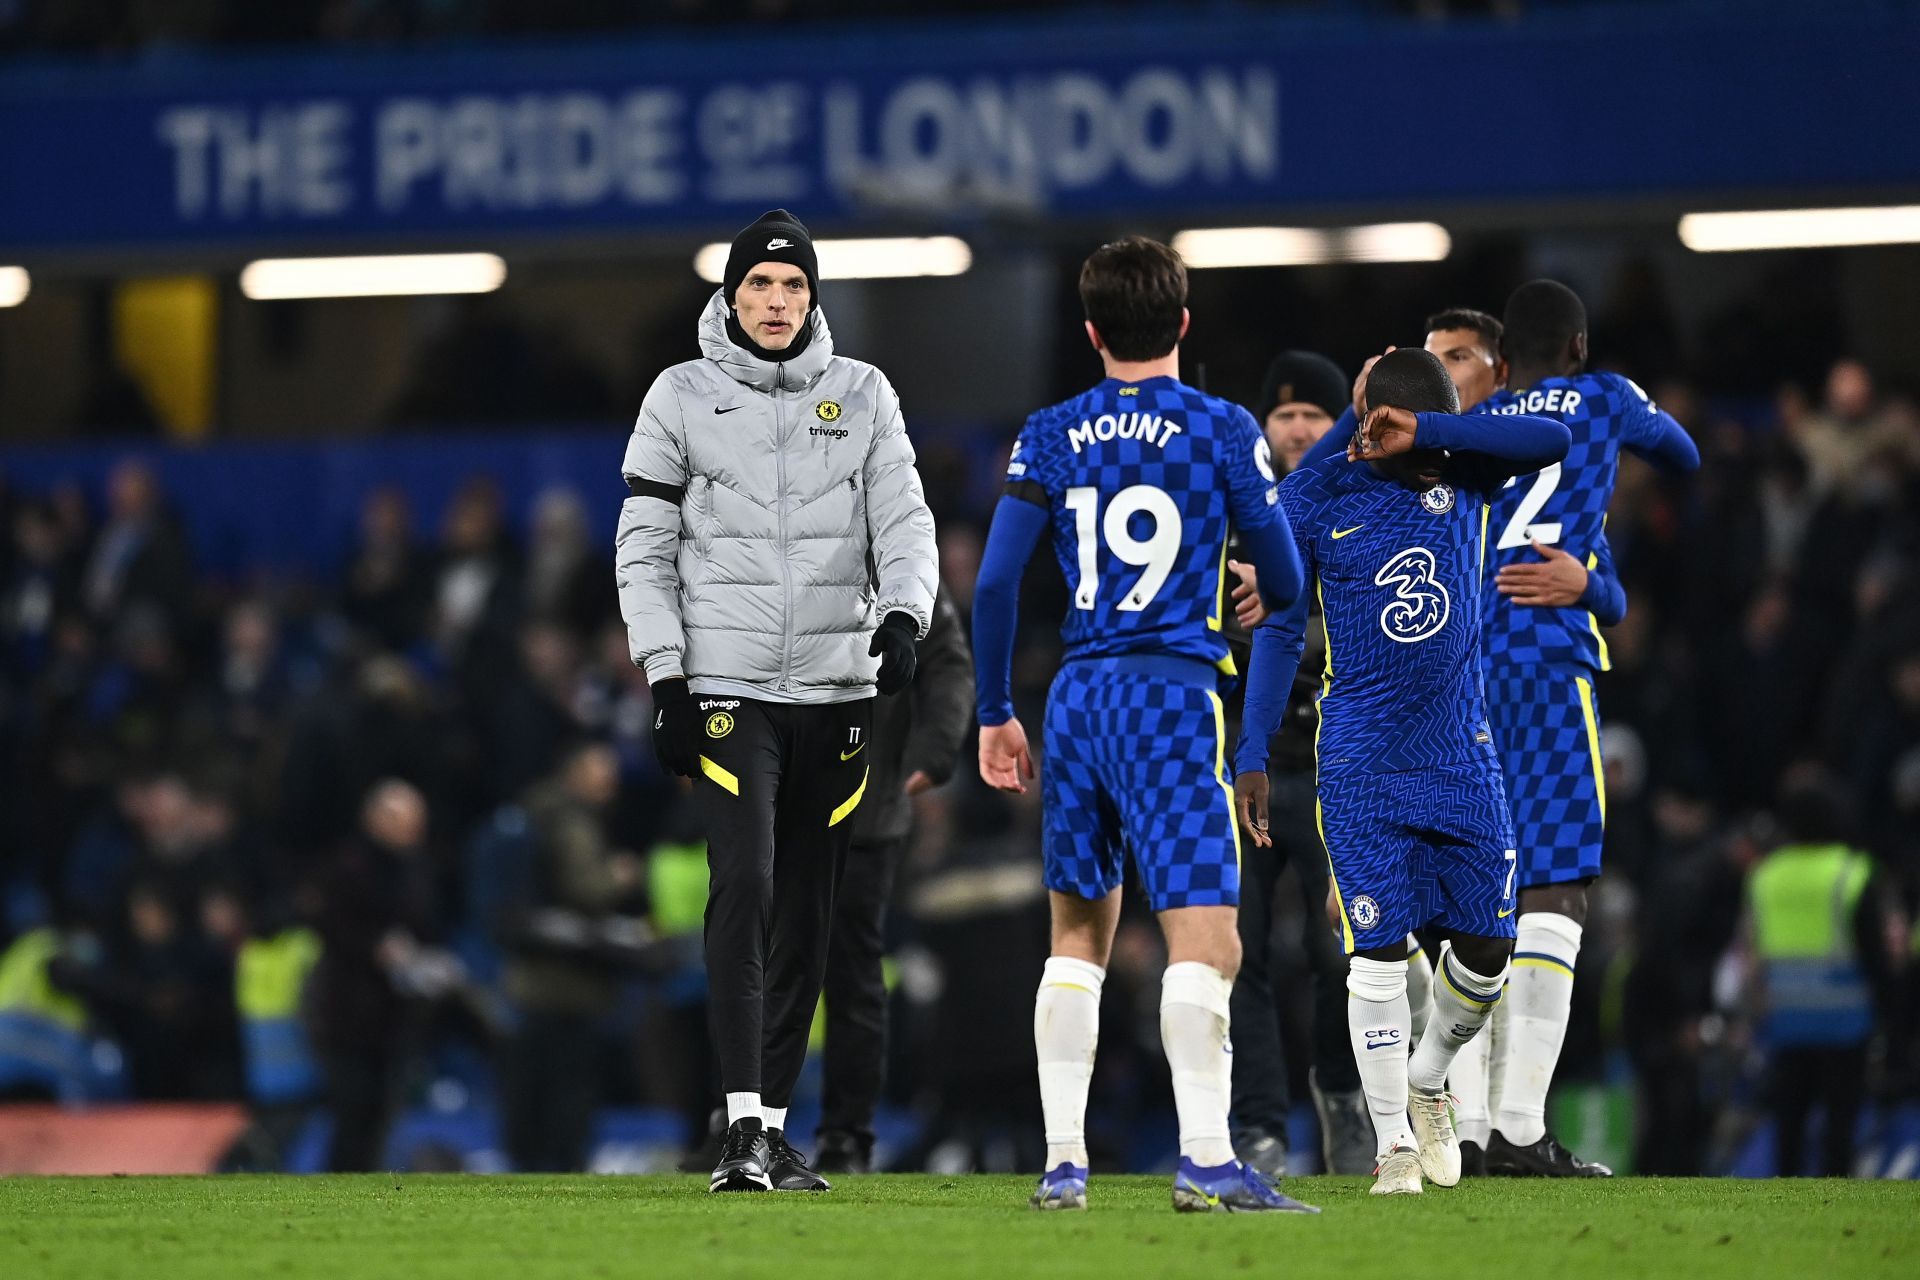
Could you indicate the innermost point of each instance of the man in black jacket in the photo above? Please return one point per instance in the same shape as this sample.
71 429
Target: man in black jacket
917 736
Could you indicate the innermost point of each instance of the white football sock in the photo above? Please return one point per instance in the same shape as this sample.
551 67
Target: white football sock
1066 1031
743 1106
1462 1002
1540 997
1419 987
1194 1002
1380 1024
1467 1082
1497 1053
774 1117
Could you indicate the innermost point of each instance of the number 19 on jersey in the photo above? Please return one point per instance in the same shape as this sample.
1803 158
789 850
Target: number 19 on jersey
1156 553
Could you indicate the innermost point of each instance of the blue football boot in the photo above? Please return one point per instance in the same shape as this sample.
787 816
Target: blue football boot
1062 1187
1232 1187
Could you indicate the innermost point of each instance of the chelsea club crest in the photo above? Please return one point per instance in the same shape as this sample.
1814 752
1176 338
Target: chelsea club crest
1438 499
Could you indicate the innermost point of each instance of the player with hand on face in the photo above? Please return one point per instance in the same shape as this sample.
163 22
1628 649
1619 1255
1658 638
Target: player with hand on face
1467 343
1138 481
1300 399
1413 811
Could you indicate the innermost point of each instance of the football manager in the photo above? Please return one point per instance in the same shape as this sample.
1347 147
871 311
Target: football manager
776 565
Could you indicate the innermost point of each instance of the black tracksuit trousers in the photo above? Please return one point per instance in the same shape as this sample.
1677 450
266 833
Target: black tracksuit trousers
778 788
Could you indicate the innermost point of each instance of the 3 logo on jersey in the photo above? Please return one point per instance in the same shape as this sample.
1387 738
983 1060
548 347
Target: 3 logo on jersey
1420 606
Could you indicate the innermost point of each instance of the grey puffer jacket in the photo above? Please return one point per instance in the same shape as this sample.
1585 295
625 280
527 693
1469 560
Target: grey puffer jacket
775 520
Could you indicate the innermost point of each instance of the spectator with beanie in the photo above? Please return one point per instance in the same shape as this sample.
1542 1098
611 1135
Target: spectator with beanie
1300 399
776 565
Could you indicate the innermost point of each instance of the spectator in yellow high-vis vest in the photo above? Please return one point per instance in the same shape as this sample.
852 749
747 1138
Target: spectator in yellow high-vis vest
1817 923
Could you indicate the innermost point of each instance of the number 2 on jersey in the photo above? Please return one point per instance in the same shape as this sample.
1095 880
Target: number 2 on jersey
1521 530
1156 552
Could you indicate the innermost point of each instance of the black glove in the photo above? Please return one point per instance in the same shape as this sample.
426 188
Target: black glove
676 725
893 645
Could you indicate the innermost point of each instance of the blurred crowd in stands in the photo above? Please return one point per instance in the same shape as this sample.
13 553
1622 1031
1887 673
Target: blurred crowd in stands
291 841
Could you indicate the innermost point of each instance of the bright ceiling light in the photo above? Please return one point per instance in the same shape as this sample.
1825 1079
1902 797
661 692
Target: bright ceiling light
885 257
15 284
385 276
1800 228
1311 246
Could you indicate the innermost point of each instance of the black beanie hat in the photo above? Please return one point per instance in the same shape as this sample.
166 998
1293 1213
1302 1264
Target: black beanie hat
1303 377
775 236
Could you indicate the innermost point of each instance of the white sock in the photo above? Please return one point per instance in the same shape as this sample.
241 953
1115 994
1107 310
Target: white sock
1467 1082
774 1117
1066 1031
743 1106
1540 996
1194 1001
1462 1002
1380 1024
1419 987
1496 1053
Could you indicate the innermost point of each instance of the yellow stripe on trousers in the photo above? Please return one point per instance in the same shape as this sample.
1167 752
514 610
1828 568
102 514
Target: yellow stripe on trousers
852 802
720 775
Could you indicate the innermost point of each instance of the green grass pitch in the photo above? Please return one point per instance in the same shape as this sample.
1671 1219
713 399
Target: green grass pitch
875 1228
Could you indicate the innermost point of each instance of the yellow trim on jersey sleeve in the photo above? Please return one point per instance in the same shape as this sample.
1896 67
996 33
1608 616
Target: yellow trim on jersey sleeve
1593 743
1220 768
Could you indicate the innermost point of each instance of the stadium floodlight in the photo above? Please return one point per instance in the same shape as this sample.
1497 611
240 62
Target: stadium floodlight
15 284
875 258
388 275
1313 246
1800 228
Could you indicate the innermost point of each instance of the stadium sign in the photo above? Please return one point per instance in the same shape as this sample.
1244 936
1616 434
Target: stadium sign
925 142
1221 115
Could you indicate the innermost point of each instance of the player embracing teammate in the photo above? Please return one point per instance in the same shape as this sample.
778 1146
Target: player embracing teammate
1412 806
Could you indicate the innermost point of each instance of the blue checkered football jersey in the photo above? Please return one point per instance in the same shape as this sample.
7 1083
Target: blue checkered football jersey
1565 505
1142 480
1399 577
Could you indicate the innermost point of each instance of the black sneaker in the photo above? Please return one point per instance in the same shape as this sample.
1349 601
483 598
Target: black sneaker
842 1151
1473 1160
743 1159
788 1169
1543 1159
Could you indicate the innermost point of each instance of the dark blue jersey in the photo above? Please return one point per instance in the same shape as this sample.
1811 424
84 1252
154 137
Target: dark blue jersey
1565 505
1399 574
1141 481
